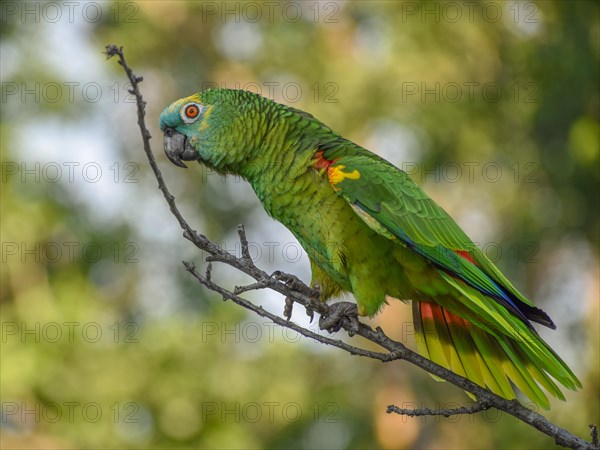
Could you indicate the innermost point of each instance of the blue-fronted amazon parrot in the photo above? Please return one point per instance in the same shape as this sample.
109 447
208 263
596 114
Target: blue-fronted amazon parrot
369 230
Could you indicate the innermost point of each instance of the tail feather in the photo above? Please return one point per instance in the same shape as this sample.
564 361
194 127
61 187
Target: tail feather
485 359
542 377
479 363
490 317
486 347
433 324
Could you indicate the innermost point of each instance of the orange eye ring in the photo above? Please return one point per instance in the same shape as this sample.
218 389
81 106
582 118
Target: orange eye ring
191 112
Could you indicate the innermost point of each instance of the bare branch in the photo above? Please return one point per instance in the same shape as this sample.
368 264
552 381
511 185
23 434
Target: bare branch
594 433
250 287
472 409
296 291
208 273
244 243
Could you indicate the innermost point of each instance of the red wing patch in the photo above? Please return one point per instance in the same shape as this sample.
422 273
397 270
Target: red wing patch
465 255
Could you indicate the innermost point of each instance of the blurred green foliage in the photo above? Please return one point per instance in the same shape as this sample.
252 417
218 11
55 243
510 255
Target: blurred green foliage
107 343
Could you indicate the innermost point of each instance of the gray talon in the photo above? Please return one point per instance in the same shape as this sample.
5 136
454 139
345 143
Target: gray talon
288 308
310 313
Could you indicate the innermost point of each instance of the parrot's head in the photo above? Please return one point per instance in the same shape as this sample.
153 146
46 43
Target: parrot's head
180 123
216 127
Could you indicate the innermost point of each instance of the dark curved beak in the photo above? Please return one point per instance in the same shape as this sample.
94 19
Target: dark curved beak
177 148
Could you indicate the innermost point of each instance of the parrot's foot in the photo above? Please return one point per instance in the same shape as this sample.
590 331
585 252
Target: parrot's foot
293 282
289 307
309 311
334 319
290 280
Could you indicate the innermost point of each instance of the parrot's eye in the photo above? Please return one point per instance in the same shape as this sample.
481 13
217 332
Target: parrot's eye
191 112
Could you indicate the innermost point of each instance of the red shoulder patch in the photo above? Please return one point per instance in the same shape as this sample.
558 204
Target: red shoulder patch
321 162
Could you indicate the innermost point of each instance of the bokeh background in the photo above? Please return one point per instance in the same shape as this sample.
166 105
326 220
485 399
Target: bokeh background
108 343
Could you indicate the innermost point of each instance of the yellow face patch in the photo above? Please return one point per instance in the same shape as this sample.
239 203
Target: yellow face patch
204 124
336 174
207 109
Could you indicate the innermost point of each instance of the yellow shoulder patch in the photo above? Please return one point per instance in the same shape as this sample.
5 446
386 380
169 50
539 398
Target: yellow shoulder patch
336 174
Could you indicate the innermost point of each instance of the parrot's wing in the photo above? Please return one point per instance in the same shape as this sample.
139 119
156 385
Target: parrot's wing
390 202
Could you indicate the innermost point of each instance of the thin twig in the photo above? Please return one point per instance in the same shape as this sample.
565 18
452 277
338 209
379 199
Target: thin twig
472 409
594 433
249 287
296 291
244 243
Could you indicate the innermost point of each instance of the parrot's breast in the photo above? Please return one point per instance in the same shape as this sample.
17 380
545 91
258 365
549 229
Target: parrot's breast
346 255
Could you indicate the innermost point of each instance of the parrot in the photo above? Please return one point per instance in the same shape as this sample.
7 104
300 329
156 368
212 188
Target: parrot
369 230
